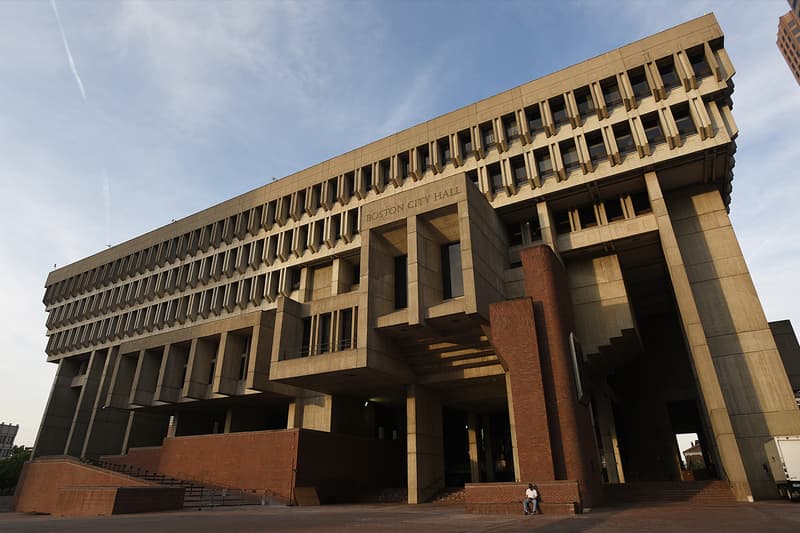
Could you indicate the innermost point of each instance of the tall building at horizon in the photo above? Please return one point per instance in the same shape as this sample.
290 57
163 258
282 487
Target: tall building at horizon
789 38
544 285
8 432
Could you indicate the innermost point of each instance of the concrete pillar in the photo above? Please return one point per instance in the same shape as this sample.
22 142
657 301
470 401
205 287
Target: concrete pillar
106 431
311 412
58 416
705 373
474 459
488 451
145 429
608 437
228 420
425 444
86 404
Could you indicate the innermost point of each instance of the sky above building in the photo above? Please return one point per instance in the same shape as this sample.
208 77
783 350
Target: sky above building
118 117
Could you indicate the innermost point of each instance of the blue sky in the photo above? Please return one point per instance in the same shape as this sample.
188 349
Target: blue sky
168 107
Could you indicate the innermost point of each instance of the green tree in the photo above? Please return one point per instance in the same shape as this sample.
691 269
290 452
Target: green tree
11 466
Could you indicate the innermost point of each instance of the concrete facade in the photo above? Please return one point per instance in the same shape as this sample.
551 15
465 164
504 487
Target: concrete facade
542 286
789 38
8 432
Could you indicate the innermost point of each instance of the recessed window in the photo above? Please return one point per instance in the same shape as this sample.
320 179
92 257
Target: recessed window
597 148
611 95
345 329
534 117
403 165
697 57
585 103
443 145
613 209
514 233
465 140
349 184
622 134
544 164
510 126
324 332
472 176
666 67
641 204
487 135
452 279
384 169
683 120
569 154
587 216
638 81
366 174
423 158
652 129
495 177
558 109
518 170
294 279
562 223
535 229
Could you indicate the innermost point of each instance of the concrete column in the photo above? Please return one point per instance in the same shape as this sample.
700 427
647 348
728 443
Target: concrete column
547 226
86 404
474 459
57 419
703 365
106 431
488 451
608 437
311 412
425 444
228 420
145 429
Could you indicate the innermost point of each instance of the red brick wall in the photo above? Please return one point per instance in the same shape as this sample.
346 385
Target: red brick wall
258 460
514 338
344 467
147 458
85 501
43 479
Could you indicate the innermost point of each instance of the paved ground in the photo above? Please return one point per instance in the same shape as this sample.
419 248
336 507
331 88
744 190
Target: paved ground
763 516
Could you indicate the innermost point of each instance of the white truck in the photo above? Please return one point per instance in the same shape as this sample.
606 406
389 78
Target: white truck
784 464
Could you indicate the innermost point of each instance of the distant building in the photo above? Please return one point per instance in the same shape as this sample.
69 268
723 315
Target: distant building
8 432
694 457
789 38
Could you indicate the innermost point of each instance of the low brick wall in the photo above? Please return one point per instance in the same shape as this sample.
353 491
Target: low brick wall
146 458
557 497
102 501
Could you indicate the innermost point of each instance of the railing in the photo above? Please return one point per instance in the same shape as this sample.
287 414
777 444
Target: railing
320 349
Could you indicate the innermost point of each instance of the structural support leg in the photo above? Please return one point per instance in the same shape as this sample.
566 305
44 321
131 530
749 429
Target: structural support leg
425 444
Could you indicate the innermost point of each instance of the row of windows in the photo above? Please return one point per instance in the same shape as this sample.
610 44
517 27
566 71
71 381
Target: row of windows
326 332
598 214
497 133
278 247
451 271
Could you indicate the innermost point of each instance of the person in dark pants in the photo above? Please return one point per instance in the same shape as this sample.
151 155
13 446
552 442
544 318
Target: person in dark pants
531 500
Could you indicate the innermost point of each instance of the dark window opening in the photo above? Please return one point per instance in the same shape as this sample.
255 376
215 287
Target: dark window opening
544 164
403 165
585 103
294 280
349 184
611 94
641 204
510 126
514 233
518 170
535 229
613 208
683 120
597 148
569 154
346 329
638 81
452 279
652 129
423 158
697 57
384 170
487 134
336 224
324 333
211 370
401 282
534 117
666 67
495 177
587 216
465 140
562 223
366 174
305 349
558 108
472 176
316 197
622 134
443 145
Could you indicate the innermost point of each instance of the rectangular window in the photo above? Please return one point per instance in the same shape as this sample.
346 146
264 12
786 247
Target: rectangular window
384 170
666 67
544 164
587 216
563 225
535 229
514 233
558 108
652 129
443 145
697 57
597 148
585 103
423 158
472 176
452 279
345 329
465 140
294 280
638 81
403 165
534 117
569 154
495 176
305 348
683 120
510 126
613 208
622 134
518 170
401 282
641 204
324 333
487 134
611 95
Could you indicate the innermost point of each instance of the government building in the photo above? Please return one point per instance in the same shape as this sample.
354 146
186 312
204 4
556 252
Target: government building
543 286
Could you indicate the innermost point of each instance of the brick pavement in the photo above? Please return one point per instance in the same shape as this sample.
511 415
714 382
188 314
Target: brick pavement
741 518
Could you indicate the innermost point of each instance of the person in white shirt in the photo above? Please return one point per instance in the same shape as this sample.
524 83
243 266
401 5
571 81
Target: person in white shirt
531 500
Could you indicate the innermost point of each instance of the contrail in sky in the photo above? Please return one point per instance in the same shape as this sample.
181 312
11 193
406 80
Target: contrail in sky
69 54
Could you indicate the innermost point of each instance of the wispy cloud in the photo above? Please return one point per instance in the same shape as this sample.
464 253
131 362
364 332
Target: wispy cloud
70 59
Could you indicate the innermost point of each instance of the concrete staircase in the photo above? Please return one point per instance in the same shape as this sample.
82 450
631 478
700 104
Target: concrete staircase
450 495
693 492
196 496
